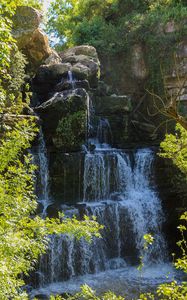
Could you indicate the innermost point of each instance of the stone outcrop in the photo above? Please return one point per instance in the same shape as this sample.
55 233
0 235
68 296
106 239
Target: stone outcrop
176 80
64 119
56 85
61 87
139 67
85 63
53 75
112 105
30 38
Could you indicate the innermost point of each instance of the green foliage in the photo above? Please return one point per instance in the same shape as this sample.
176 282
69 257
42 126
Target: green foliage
23 238
88 294
23 234
71 130
181 263
114 26
172 291
148 240
175 148
12 62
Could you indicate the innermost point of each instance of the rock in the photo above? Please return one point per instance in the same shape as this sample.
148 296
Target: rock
92 147
65 114
175 82
53 76
138 65
182 49
42 297
80 71
103 89
63 85
25 21
78 50
52 211
66 173
30 39
52 72
147 128
170 27
85 63
46 78
37 49
84 84
53 58
65 102
91 63
113 104
67 85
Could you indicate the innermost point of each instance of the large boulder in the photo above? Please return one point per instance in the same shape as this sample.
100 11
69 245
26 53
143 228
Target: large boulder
25 21
78 67
52 73
113 104
85 63
64 119
80 50
30 39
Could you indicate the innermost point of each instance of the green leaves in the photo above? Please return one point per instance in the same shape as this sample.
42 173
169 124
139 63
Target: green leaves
175 148
23 235
88 293
23 238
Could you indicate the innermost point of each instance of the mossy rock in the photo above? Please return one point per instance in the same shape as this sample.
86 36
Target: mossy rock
71 132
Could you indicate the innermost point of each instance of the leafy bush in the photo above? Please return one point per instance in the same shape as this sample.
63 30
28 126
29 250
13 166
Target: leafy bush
71 130
114 26
175 147
23 234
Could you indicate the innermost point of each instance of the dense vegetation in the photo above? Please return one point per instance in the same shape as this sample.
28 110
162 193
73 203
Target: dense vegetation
23 234
113 26
110 26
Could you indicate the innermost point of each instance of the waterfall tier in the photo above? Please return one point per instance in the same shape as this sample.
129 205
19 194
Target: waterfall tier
119 190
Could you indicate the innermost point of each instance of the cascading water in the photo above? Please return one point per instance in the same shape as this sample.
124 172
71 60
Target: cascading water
71 79
122 196
104 133
44 173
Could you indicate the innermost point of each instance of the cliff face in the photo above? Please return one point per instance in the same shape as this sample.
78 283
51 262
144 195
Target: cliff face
115 85
75 92
176 80
31 40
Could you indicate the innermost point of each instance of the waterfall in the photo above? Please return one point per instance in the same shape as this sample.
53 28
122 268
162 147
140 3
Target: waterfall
71 79
143 205
96 177
123 197
43 173
119 190
104 133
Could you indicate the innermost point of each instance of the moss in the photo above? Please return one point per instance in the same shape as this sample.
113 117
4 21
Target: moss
71 131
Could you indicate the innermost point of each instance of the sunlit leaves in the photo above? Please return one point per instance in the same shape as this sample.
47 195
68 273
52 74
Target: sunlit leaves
88 293
175 148
23 238
22 233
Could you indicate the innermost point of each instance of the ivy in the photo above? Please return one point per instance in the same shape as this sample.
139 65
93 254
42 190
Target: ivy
114 26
